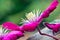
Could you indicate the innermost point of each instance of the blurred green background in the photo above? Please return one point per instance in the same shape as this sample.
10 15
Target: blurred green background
14 10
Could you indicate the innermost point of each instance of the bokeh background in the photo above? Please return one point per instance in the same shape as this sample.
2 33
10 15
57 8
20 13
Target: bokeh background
14 10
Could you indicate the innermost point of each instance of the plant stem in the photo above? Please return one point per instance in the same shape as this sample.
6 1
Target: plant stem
46 34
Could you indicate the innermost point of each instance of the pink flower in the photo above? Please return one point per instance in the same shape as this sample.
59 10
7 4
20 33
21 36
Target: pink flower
55 27
13 35
31 25
12 26
34 20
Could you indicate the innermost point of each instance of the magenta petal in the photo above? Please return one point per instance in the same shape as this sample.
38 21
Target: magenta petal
14 35
51 8
54 27
30 26
1 37
10 26
47 11
50 26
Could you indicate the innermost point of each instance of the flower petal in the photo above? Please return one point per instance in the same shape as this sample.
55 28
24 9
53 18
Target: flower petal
54 27
30 26
1 37
10 26
47 11
13 35
51 8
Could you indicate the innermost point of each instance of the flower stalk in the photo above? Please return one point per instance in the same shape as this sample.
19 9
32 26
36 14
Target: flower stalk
46 34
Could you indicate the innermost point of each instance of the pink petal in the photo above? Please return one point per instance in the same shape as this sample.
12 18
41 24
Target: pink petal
54 27
50 26
30 26
14 35
1 37
47 11
11 26
51 8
